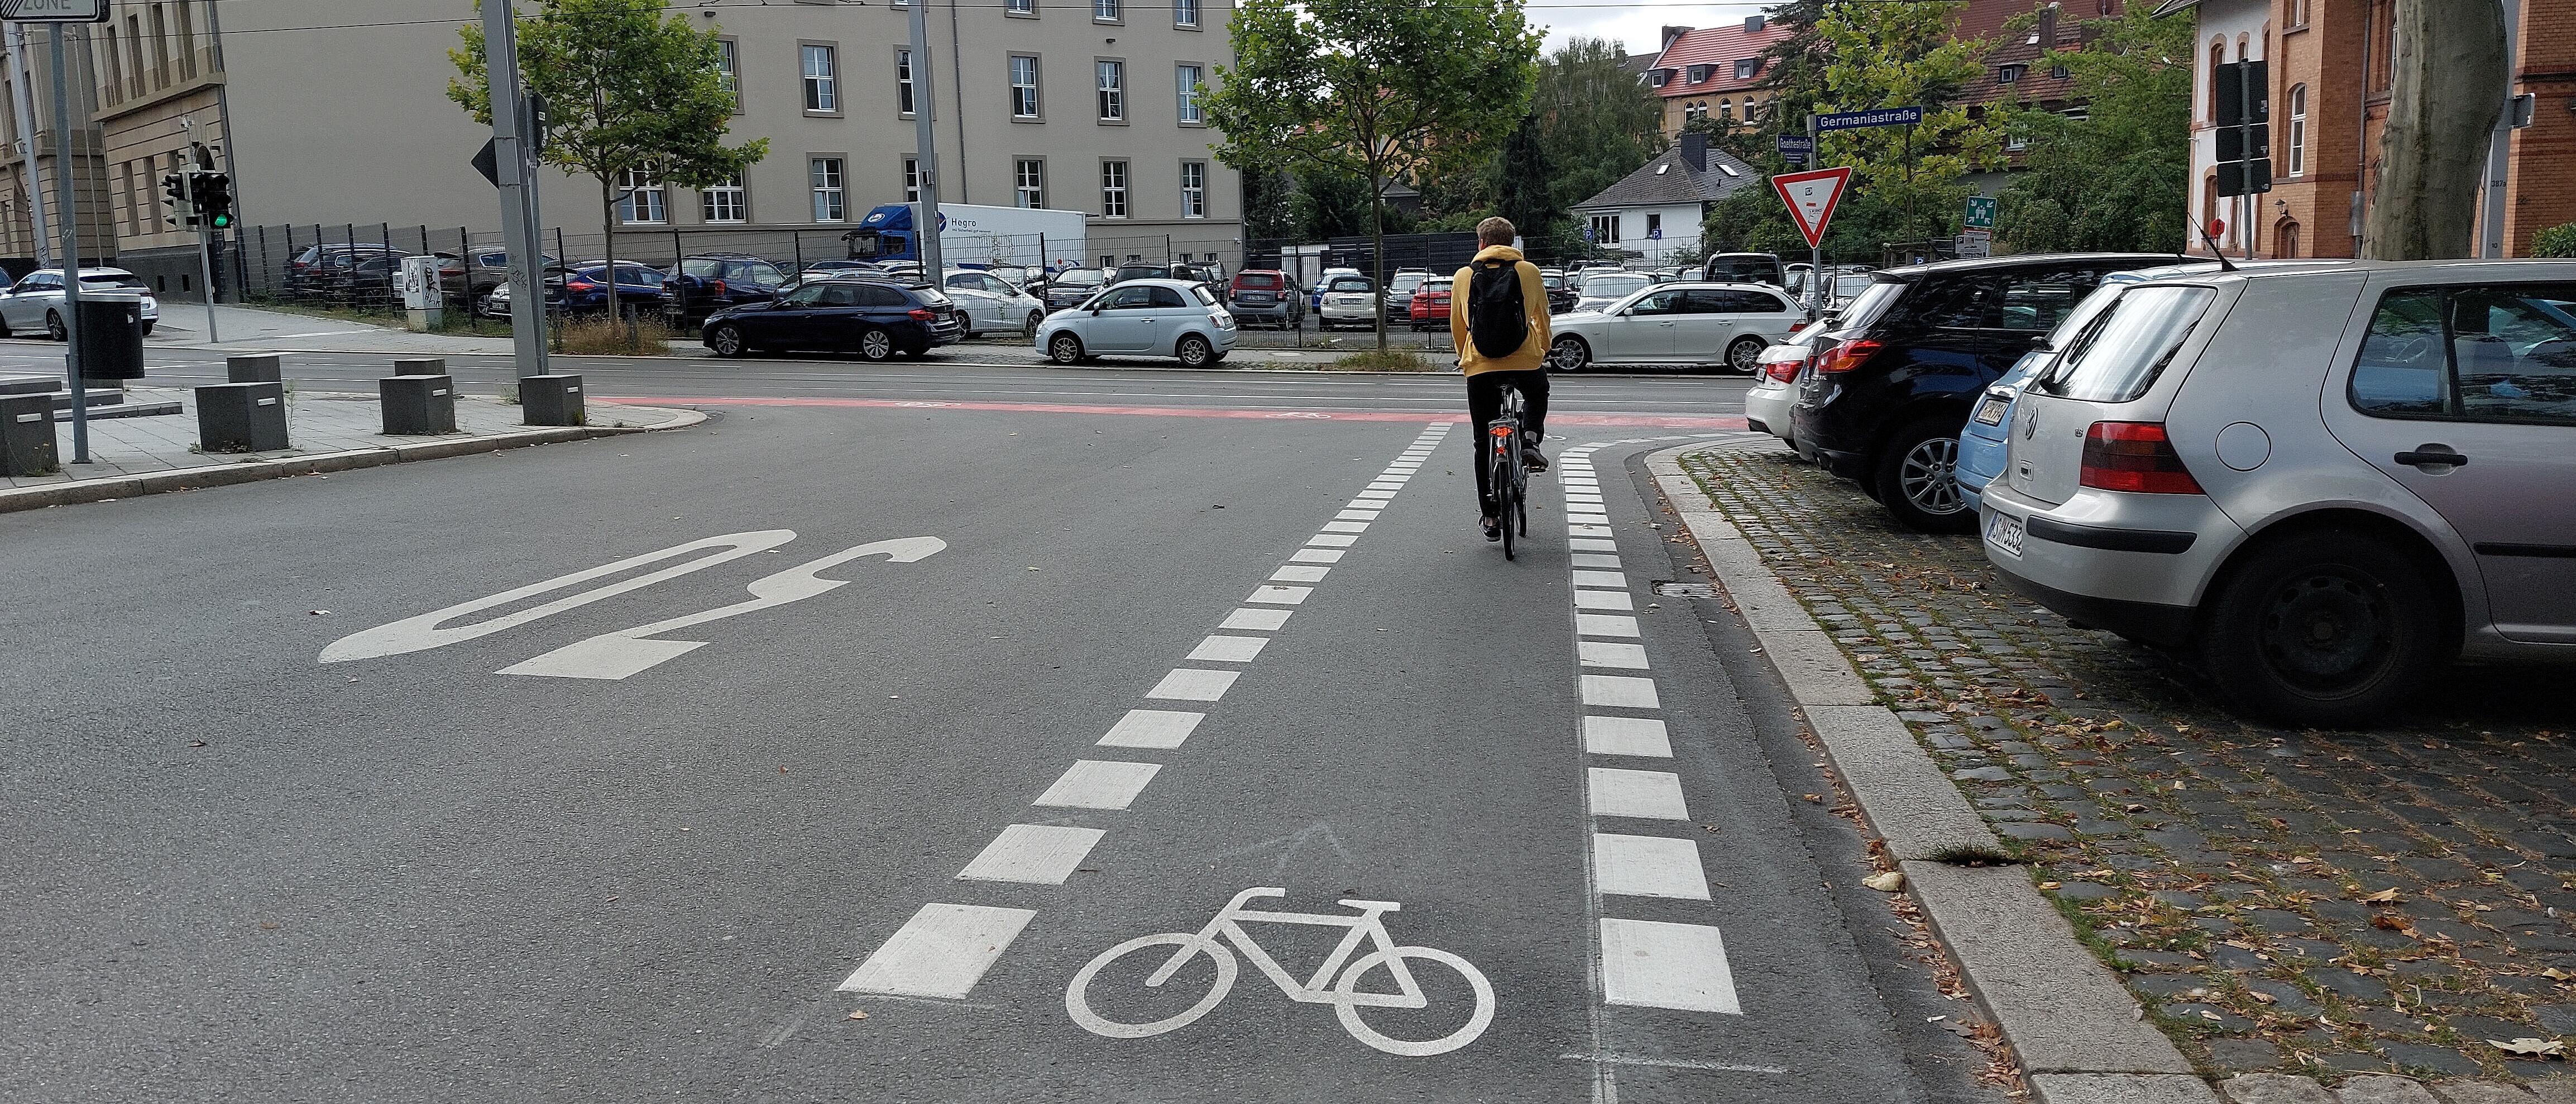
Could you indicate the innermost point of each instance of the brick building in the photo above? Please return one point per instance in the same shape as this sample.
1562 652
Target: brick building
2330 71
1713 71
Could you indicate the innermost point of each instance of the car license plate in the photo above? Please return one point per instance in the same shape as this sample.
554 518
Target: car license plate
1991 411
2004 531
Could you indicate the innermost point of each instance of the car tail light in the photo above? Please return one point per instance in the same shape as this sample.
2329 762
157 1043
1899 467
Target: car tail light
1846 356
2135 457
1793 329
1782 370
920 314
715 287
579 285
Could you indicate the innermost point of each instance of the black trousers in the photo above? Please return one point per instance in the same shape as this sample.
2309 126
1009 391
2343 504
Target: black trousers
1485 403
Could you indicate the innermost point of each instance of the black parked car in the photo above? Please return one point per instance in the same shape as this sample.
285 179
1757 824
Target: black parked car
1882 399
873 318
1073 286
711 282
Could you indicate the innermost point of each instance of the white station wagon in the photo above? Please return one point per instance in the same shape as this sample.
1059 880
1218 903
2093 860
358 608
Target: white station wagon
1728 324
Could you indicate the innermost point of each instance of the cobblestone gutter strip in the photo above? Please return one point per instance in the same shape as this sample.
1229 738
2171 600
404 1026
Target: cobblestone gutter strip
2337 905
225 475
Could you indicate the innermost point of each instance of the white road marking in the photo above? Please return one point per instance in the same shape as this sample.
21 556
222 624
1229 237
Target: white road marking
1039 854
1603 653
1300 573
1375 494
1595 531
1576 521
1648 866
1346 527
1229 649
1618 691
1603 600
1152 728
941 952
1655 795
1592 545
1357 515
1317 555
1094 784
1281 595
1605 624
1669 1063
1256 620
1610 579
1653 964
1193 684
1639 736
1333 540
1595 559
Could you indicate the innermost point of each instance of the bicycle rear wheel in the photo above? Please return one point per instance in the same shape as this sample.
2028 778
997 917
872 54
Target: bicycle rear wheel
1508 506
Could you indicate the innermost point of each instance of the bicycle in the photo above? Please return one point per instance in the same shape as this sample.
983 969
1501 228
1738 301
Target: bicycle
1344 993
1509 480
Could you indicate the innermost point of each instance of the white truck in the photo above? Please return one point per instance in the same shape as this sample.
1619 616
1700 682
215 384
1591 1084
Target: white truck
973 236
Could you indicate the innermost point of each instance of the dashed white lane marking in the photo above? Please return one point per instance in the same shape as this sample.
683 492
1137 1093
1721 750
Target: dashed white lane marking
1648 866
1669 1063
1661 965
1332 540
1300 573
1281 595
1640 736
1317 555
1375 495
1603 600
1595 532
1346 526
1604 653
1193 684
1654 795
1592 544
1356 515
1594 559
1257 620
1039 854
1093 784
1605 624
941 952
1152 728
1611 579
1229 649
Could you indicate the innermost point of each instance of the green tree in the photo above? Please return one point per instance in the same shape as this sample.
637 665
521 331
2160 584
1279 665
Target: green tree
1525 188
1897 53
1375 90
2120 178
1269 203
1330 204
627 91
1596 121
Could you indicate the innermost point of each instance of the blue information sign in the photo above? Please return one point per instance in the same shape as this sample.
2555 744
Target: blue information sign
1861 120
1794 144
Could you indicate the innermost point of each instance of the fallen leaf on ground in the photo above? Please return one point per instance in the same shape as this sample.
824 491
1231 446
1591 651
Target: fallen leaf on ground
2532 1048
1813 797
2050 885
2385 896
1888 882
857 1015
2555 974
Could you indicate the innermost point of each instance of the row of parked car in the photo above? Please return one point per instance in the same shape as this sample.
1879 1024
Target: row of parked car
2317 481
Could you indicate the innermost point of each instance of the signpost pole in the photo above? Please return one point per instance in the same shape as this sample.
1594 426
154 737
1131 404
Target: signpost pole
27 128
925 225
205 247
70 249
510 164
1815 249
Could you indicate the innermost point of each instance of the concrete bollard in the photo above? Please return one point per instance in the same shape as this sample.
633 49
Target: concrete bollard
253 368
241 417
27 436
421 366
552 400
417 405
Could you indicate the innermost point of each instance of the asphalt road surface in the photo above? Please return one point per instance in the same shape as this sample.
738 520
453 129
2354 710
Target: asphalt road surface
634 768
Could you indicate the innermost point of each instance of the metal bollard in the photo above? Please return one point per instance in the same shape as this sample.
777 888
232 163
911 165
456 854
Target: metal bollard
241 417
421 366
418 405
253 368
552 400
27 436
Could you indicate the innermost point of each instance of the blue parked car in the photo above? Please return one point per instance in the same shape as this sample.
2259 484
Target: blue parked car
585 287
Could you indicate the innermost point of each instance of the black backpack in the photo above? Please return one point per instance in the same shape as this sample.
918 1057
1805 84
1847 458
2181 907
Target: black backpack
1497 316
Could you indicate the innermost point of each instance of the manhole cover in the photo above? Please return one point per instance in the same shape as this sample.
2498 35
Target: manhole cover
1673 589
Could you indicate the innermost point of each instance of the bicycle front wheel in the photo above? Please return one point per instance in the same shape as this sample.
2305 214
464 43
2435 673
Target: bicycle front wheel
1349 1011
1077 1000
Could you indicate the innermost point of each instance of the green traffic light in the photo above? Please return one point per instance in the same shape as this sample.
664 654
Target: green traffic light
223 222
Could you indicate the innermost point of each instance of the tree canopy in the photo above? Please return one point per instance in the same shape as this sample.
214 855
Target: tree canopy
2120 177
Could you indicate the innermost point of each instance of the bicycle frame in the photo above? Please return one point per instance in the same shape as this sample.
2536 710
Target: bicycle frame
1367 925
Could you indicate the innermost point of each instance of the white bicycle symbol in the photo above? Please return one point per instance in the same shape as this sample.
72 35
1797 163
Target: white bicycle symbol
1344 994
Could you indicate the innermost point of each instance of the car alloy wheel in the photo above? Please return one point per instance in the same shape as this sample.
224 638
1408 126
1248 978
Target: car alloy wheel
1065 349
1744 356
1194 352
727 341
1029 329
54 327
1930 479
876 345
1915 477
1569 354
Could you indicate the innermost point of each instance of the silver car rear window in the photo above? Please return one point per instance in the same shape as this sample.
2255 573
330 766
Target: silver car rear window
2120 355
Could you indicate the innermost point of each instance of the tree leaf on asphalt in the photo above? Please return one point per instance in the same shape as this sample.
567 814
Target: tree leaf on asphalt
1888 882
1813 797
2555 974
2532 1048
858 1015
2383 897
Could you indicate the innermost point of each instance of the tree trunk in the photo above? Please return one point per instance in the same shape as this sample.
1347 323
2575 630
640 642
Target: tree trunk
607 244
2450 81
1377 249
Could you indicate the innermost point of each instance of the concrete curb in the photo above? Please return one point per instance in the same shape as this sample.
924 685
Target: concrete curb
225 475
2079 1035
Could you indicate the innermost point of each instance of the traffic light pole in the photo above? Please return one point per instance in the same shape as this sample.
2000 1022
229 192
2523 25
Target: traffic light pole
205 247
512 163
72 374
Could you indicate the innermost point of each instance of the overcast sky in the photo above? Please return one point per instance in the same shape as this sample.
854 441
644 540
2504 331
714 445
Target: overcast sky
1634 25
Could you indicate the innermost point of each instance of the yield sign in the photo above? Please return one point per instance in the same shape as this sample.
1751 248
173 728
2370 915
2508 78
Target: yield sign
1811 197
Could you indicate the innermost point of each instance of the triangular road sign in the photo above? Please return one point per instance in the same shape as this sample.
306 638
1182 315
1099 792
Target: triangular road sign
1811 197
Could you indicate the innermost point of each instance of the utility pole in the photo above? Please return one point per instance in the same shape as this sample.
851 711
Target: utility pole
1815 253
514 164
205 219
25 104
925 99
71 249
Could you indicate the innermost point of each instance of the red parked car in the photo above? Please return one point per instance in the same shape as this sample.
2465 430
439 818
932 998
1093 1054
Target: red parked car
1431 303
1265 294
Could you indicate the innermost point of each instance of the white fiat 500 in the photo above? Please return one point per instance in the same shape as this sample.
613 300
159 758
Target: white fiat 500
1723 324
2319 484
1180 319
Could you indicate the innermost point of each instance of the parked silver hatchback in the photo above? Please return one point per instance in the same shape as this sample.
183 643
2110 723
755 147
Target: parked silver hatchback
2318 484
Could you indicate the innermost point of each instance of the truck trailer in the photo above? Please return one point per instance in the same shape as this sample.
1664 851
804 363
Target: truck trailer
973 236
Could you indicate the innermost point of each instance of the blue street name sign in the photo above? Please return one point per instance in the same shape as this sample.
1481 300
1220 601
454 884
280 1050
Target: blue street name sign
1795 145
1862 120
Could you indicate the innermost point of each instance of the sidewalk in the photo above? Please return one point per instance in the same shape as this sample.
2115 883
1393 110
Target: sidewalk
253 330
2325 905
330 431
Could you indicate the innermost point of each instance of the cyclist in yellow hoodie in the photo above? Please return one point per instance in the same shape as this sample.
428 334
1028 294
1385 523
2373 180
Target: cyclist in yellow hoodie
1498 321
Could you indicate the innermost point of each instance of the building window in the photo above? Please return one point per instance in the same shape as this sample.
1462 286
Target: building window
1726 110
1654 224
1748 68
134 54
729 70
2298 129
2010 74
645 201
187 40
1112 80
1024 87
1188 79
1193 189
911 180
825 173
1659 77
160 46
1185 13
723 202
823 83
1020 7
2217 57
1700 73
1031 175
2059 72
1105 11
1113 189
1605 229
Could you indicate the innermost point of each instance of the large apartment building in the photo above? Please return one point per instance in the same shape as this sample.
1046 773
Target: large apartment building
332 117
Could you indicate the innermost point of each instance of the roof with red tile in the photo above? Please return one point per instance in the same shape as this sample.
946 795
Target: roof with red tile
1719 48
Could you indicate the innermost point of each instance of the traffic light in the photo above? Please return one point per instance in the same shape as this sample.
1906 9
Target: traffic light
175 208
215 199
